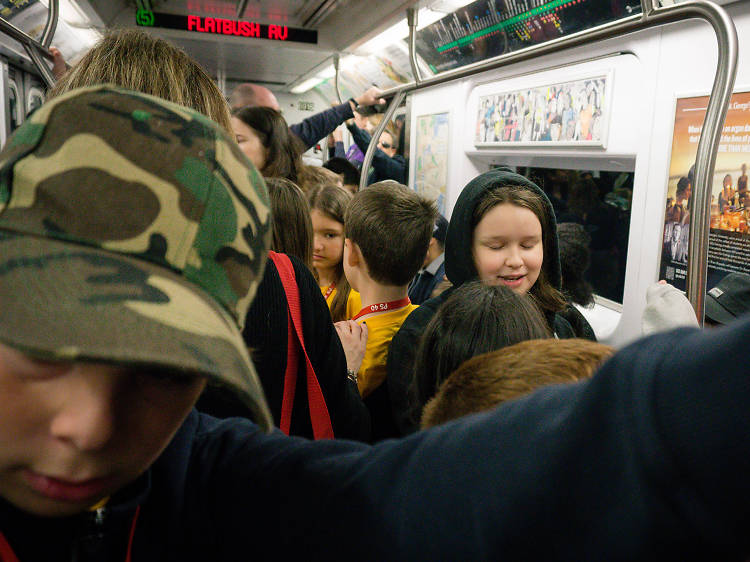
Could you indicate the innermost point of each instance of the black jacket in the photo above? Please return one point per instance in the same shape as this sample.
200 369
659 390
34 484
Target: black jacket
265 333
459 268
646 461
384 167
320 125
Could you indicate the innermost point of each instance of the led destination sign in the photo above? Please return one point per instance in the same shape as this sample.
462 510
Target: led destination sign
222 26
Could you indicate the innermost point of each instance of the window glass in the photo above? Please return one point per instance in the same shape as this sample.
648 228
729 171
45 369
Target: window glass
599 201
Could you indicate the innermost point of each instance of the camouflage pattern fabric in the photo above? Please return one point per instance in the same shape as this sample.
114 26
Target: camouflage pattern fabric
132 230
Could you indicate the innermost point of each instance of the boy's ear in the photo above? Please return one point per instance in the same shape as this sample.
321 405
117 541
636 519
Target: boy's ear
352 254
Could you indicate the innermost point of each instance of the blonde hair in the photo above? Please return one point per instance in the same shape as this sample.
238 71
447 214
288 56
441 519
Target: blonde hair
135 60
487 380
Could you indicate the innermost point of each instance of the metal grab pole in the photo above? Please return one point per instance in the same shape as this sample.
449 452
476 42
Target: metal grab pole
710 136
33 48
708 145
43 69
51 26
395 102
336 61
411 17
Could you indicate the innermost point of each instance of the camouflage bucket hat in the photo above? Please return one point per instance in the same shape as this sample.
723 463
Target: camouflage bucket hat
132 231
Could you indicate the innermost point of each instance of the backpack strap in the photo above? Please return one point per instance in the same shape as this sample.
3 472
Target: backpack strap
319 416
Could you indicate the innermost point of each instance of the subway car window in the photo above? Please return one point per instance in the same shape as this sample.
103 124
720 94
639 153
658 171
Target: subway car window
14 103
601 202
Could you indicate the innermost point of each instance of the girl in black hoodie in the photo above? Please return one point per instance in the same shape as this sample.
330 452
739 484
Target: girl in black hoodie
495 210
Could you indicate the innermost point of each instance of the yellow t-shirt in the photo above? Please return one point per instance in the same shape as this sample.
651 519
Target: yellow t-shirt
353 303
381 328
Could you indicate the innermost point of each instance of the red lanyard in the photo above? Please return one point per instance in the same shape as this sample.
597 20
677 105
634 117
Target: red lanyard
7 554
382 307
329 290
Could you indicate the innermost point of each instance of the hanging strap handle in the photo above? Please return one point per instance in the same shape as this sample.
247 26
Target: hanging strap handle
319 417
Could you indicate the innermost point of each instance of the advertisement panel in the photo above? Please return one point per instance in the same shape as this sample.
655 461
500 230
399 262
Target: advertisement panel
729 239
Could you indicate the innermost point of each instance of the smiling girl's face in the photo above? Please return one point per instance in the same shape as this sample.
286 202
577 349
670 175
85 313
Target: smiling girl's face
508 248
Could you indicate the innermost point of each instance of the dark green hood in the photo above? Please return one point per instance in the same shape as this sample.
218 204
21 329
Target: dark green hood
459 262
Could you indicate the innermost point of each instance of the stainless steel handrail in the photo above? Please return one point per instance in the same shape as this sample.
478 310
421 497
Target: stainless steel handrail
395 102
51 26
43 69
241 5
34 48
411 17
336 62
651 16
708 145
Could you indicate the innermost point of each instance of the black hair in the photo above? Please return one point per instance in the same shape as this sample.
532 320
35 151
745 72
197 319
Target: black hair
575 257
475 319
343 167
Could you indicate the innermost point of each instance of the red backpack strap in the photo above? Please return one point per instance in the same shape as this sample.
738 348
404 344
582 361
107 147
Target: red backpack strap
319 417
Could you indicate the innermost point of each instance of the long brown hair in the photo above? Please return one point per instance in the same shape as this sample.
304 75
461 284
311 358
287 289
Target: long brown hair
283 159
549 298
135 60
292 231
333 201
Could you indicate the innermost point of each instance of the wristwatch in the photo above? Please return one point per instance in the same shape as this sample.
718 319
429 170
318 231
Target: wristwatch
351 375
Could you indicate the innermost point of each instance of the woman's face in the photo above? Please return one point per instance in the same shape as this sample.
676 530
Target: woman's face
250 143
328 241
508 248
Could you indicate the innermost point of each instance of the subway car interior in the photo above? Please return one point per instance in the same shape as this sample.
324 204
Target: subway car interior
217 345
484 84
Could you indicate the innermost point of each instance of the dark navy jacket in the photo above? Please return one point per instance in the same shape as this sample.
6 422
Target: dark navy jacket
648 460
320 125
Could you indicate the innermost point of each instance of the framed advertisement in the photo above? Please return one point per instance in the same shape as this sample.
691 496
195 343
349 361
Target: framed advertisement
729 238
573 113
431 171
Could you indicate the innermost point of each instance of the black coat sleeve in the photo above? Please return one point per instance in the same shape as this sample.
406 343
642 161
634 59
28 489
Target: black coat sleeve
265 334
385 166
349 414
647 460
322 124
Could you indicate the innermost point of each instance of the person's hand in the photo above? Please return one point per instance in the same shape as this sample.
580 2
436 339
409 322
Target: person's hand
353 338
331 141
59 66
360 121
370 97
337 136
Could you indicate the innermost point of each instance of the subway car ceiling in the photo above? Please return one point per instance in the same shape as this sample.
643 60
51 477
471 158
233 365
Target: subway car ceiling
283 44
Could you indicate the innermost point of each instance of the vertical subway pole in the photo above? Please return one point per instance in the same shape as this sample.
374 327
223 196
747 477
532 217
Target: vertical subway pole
411 17
708 145
336 61
51 26
395 102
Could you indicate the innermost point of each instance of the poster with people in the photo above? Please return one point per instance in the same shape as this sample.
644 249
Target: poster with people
568 113
729 238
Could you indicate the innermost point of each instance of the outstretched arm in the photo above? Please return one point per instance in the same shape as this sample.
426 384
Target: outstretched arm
322 124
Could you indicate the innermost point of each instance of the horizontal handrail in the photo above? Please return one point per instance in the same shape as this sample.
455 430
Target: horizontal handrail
651 16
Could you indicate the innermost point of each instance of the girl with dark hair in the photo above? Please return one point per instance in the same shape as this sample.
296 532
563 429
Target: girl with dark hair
263 135
502 231
291 227
475 319
266 333
327 207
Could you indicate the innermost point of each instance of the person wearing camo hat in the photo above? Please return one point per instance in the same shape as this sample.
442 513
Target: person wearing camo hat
132 235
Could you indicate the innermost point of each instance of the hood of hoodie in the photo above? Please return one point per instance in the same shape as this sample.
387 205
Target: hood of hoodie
459 259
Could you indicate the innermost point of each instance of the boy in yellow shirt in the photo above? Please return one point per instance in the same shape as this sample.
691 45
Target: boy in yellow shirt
387 228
